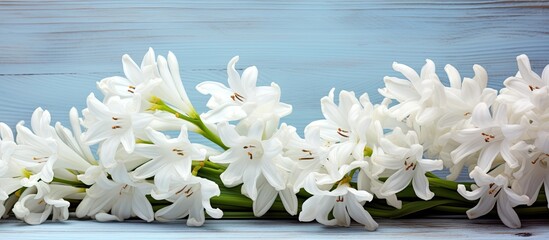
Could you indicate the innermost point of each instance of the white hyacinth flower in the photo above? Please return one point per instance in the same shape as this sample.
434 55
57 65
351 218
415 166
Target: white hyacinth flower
527 94
242 98
533 172
525 90
189 198
172 90
122 196
464 95
336 126
309 154
137 81
344 202
492 190
10 172
249 157
151 79
349 125
171 159
45 149
420 96
267 194
40 201
403 153
492 135
7 146
111 124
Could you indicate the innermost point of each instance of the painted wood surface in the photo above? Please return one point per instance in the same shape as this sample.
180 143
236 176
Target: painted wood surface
268 229
53 53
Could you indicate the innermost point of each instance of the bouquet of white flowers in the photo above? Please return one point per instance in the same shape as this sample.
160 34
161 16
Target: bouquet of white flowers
361 160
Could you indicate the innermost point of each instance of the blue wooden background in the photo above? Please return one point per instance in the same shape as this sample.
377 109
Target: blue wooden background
53 52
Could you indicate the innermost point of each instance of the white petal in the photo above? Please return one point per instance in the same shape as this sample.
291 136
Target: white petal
481 76
148 169
453 76
232 176
331 112
514 199
128 142
131 70
341 214
196 216
464 150
525 69
397 182
289 200
471 195
249 179
325 205
107 152
256 130
121 208
249 78
361 195
483 207
179 209
509 158
142 207
470 91
149 58
309 209
429 165
359 214
228 135
481 178
265 198
421 186
507 215
213 212
481 115
234 77
227 112
487 156
97 108
5 132
428 69
399 89
408 72
272 174
147 150
229 156
105 217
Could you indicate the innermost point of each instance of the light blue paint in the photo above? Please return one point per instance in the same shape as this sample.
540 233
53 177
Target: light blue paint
425 228
307 47
53 53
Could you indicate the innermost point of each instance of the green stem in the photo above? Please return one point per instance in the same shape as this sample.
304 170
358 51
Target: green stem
207 133
269 215
210 164
407 208
193 118
69 182
450 210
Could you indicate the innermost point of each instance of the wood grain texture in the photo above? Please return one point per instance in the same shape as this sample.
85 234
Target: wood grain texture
269 229
53 52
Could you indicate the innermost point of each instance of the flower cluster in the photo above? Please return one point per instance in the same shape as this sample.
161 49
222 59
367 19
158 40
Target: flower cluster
502 139
146 166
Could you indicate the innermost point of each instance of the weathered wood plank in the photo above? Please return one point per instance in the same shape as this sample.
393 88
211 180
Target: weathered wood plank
54 51
389 228
307 47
